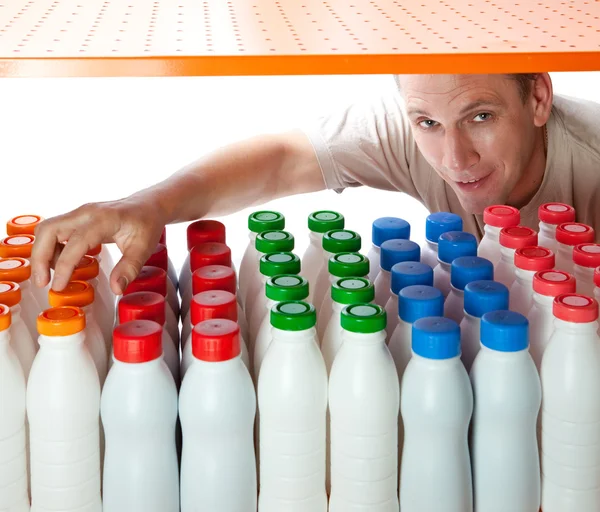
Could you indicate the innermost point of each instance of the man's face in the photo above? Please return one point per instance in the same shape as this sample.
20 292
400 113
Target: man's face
474 130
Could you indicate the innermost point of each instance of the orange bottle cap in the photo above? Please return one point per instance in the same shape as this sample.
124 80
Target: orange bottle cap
23 225
16 246
61 321
94 251
5 317
15 269
77 293
10 293
86 270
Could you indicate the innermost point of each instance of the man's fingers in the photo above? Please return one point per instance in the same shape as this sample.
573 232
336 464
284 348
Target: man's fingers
47 236
128 267
76 247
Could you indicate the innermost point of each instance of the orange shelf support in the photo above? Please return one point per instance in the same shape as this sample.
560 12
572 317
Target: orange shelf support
295 37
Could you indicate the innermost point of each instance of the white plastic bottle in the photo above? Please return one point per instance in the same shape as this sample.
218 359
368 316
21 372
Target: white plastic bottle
496 218
528 261
257 223
13 455
199 232
511 239
18 270
550 216
481 297
272 264
160 258
171 272
414 302
209 278
392 252
344 264
334 242
318 224
465 270
103 287
154 279
571 410
586 257
436 405
383 229
63 406
217 405
569 235
280 288
212 305
364 398
80 294
204 255
507 396
451 245
22 344
150 306
344 292
405 273
547 284
292 400
436 225
597 284
139 415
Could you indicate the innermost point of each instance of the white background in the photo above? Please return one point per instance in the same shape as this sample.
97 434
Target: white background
65 142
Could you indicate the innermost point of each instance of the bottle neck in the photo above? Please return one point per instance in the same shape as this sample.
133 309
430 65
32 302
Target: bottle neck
366 340
565 251
337 307
138 367
583 273
4 339
15 313
252 237
548 230
217 366
455 290
507 255
89 313
472 319
304 336
525 277
583 329
501 355
434 363
62 342
446 266
492 233
433 246
316 239
544 302
270 303
326 256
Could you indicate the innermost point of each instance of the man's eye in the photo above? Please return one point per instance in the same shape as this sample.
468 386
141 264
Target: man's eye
427 123
484 116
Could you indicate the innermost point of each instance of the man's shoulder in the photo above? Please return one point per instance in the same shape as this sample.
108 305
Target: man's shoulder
580 123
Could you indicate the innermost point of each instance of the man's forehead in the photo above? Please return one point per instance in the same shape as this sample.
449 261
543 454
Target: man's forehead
447 84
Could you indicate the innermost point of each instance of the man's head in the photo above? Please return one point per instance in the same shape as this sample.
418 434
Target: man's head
481 133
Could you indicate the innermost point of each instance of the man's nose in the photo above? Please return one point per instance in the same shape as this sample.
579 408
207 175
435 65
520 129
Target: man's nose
459 154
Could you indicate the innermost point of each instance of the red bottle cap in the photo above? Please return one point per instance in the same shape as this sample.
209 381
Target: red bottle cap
574 233
209 253
142 306
214 277
500 216
579 309
534 258
556 213
517 237
203 231
163 237
159 258
150 279
138 341
552 283
216 340
94 251
587 255
213 304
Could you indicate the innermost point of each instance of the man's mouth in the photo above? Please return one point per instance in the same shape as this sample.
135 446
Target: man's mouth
471 184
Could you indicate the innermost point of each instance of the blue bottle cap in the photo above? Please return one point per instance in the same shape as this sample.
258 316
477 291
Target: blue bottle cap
441 222
505 331
389 228
481 297
397 250
470 268
436 337
419 301
454 244
408 273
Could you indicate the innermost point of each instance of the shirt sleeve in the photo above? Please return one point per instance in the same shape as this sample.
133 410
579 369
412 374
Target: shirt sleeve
369 144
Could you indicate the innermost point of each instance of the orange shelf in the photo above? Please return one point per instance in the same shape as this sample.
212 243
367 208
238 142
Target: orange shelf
295 37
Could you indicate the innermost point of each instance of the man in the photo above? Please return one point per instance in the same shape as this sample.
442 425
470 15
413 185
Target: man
458 143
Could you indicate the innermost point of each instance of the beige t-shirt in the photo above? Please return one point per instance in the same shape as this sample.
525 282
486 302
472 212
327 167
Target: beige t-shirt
372 144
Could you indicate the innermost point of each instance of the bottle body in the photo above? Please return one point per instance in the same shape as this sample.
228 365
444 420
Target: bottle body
521 292
333 337
312 261
564 258
429 254
441 278
489 247
96 344
454 305
383 287
541 327
469 340
30 309
391 310
248 268
374 257
21 341
139 415
547 236
585 280
323 283
505 270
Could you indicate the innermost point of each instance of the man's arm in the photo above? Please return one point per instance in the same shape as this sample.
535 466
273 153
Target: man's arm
243 174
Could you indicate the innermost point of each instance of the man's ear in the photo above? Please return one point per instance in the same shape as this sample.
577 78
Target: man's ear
541 99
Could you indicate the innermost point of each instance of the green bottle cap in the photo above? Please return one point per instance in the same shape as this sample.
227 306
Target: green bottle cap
341 240
325 220
293 316
352 290
364 318
274 241
264 220
287 287
348 264
276 263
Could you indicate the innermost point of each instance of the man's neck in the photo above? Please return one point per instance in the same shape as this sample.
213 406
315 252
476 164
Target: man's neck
533 176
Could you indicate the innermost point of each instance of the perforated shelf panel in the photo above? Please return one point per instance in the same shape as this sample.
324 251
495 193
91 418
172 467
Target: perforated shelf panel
268 37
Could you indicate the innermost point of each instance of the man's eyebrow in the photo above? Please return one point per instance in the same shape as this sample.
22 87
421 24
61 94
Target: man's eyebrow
414 111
